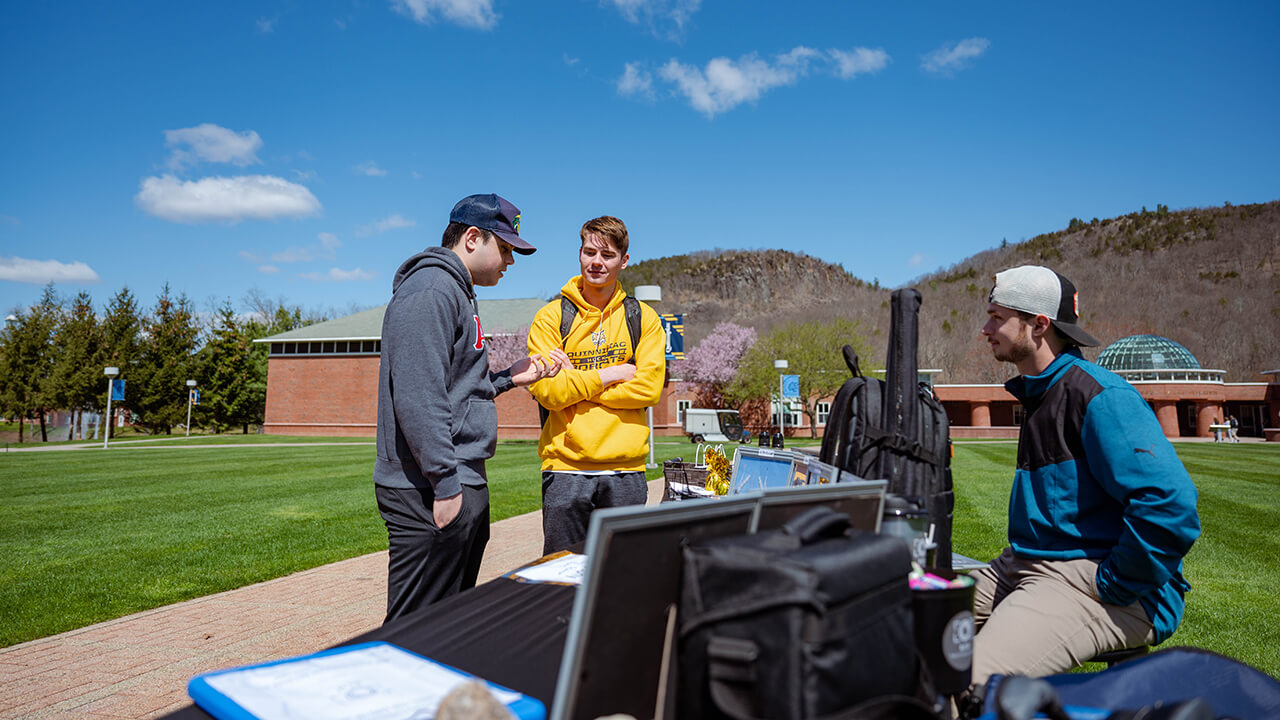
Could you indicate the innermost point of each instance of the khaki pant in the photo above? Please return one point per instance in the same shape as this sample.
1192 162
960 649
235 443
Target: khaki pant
1041 617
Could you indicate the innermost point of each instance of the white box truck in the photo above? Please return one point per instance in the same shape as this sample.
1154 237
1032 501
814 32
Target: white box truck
706 425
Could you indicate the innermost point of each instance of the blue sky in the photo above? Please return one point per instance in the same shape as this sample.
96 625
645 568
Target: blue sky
304 149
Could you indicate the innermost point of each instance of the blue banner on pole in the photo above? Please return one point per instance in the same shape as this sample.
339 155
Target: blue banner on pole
195 396
790 386
117 390
673 328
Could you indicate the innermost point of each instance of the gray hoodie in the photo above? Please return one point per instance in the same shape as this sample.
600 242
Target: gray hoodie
437 423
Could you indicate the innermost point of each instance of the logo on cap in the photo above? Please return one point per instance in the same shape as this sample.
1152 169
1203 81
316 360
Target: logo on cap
515 224
1075 303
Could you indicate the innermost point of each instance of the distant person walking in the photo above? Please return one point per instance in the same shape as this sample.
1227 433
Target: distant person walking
437 422
1217 430
1233 429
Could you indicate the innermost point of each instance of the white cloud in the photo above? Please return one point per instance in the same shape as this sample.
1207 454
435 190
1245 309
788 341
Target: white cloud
858 61
664 18
268 269
391 222
338 275
41 272
369 168
212 143
635 80
249 257
948 59
725 84
415 175
9 220
224 199
917 259
476 14
329 242
293 255
266 25
570 61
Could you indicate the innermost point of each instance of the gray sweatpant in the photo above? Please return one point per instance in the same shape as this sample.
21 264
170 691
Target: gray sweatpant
569 498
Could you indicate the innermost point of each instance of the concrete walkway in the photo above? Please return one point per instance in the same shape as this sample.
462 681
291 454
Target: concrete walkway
138 666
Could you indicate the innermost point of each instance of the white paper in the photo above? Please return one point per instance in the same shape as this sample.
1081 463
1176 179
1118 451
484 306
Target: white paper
381 682
680 487
567 569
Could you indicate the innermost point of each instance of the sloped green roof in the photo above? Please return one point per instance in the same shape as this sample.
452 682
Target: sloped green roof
498 317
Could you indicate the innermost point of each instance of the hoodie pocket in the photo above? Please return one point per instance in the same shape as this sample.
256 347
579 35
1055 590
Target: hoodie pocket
475 431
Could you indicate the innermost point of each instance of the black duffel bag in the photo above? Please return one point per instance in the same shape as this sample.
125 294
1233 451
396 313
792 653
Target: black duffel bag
806 622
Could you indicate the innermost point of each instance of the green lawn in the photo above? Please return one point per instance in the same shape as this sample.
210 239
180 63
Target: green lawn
1232 608
88 535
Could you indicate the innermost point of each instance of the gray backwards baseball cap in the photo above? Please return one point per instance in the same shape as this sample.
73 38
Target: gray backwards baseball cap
493 213
1041 291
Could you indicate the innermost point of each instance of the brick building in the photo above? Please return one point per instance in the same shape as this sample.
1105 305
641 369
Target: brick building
323 380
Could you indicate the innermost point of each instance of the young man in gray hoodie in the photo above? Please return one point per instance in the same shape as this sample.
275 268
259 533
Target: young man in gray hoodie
437 422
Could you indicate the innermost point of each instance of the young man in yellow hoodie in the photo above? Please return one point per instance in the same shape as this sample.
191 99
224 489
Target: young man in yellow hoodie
595 438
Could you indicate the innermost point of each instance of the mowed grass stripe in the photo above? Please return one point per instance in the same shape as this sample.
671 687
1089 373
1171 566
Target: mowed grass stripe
1233 606
87 535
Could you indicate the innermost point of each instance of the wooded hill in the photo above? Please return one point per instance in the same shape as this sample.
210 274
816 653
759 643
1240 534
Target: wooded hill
1208 278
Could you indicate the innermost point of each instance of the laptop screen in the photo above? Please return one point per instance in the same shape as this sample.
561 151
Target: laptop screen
760 468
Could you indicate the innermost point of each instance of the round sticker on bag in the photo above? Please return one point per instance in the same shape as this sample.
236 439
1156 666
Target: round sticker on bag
957 640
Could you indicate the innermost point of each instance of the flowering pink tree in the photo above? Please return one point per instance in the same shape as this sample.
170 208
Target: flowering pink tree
507 348
714 362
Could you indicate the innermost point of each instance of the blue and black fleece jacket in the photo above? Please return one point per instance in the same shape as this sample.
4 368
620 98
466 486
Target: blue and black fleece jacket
1097 479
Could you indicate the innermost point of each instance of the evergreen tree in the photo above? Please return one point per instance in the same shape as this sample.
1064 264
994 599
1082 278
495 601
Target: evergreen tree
231 393
166 360
77 368
28 361
121 331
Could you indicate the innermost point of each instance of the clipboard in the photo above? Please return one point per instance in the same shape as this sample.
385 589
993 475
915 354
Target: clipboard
355 682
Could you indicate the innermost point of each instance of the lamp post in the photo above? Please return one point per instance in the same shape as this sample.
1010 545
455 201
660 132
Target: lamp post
191 398
781 365
649 293
111 374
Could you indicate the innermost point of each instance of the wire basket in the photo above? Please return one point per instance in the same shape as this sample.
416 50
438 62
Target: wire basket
684 473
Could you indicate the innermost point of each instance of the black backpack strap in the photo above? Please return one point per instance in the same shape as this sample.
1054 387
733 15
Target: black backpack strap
631 309
568 311
833 437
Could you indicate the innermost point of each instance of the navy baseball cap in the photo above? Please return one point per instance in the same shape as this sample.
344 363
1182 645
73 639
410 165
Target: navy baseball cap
493 213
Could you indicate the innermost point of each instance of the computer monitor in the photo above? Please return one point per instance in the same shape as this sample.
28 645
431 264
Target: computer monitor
861 500
821 473
759 468
623 613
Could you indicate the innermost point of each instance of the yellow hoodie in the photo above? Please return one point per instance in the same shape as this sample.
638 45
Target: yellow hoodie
591 427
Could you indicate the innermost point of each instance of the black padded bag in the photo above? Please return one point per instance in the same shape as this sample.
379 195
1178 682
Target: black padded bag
806 621
896 429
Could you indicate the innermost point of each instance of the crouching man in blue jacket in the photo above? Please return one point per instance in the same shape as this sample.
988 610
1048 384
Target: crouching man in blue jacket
1101 512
